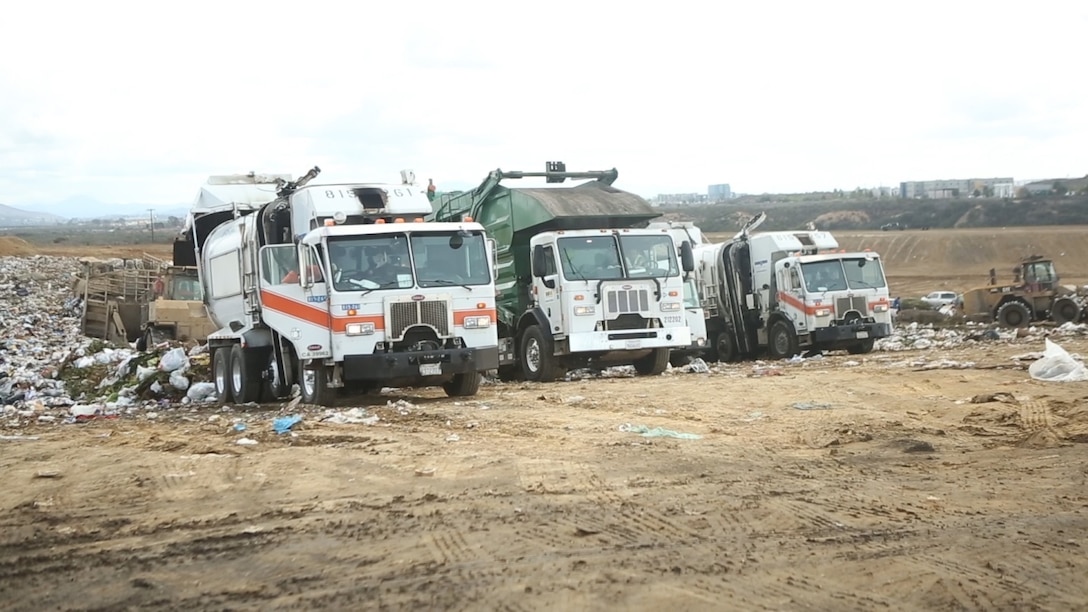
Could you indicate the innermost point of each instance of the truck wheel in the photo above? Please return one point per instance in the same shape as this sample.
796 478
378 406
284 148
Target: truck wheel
861 348
314 384
245 375
654 363
221 374
463 385
537 356
725 347
781 342
273 387
1064 310
1013 314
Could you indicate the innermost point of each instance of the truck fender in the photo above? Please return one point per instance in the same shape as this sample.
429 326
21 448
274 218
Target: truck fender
535 316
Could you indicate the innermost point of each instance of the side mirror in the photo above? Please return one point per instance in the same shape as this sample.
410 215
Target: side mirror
687 256
540 261
494 249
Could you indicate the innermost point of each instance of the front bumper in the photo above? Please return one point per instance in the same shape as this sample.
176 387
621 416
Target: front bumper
848 333
386 366
629 339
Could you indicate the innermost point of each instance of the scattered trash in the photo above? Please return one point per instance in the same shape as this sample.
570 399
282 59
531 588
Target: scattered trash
428 471
246 442
239 427
353 416
47 474
698 366
283 425
453 438
811 406
1056 365
657 432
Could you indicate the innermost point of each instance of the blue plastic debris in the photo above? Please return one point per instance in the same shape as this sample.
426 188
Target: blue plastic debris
239 427
283 425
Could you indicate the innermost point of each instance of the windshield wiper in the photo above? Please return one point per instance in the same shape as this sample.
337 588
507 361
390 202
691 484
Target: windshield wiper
367 290
573 268
442 281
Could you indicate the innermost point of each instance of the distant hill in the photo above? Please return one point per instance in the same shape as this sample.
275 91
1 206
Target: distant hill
870 214
16 217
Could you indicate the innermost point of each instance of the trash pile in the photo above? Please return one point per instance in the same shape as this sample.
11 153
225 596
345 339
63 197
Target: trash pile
915 336
50 373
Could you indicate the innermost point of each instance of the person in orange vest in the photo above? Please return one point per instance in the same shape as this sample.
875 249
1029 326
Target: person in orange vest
431 189
292 276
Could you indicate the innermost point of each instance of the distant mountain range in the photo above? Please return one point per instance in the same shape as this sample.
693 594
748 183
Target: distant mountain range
82 207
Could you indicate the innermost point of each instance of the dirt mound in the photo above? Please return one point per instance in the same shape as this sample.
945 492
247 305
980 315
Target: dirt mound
13 246
842 219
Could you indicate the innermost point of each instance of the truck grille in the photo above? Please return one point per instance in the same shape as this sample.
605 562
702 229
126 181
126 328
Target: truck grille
620 301
403 315
859 303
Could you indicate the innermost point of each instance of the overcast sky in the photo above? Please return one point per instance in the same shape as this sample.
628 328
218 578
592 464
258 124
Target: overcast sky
134 102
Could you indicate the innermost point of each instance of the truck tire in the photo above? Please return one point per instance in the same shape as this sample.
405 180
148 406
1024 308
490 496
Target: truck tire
314 384
781 341
245 374
1013 314
273 386
654 363
538 356
725 347
221 374
463 385
861 348
1064 310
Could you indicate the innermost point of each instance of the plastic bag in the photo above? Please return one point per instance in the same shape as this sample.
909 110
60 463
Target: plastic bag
174 359
1056 365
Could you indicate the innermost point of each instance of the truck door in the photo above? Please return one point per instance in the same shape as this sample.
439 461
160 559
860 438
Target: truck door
299 313
549 297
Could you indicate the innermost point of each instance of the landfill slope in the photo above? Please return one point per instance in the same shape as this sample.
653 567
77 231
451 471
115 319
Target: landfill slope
935 473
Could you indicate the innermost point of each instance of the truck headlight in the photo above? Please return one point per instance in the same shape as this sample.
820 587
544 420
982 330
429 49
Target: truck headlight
582 311
880 308
359 329
670 306
823 312
477 322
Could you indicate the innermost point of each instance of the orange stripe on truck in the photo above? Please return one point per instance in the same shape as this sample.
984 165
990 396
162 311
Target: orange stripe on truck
294 308
798 304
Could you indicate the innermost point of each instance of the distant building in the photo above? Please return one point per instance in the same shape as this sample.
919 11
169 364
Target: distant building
956 188
718 193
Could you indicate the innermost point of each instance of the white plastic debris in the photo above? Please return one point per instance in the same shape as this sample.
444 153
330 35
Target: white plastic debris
178 380
1056 365
201 392
174 359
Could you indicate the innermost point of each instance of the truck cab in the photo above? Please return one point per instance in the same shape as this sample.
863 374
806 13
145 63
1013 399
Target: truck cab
603 295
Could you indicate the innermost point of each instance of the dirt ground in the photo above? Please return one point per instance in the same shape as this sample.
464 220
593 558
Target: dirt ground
885 487
844 483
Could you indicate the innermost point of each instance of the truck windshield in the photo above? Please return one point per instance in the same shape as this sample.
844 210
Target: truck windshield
843 274
863 273
590 258
385 261
450 259
597 258
370 262
649 256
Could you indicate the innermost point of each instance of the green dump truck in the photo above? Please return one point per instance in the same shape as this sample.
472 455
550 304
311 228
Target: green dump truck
581 281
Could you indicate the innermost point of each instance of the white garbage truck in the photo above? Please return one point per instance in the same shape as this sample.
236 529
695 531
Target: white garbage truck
339 287
681 232
789 292
581 281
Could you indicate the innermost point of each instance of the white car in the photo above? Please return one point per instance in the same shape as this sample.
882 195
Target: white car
940 298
